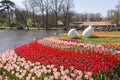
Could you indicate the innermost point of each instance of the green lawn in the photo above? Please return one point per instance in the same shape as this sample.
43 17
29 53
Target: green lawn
94 40
30 28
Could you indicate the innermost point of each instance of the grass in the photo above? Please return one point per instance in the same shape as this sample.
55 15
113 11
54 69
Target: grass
94 40
31 28
107 39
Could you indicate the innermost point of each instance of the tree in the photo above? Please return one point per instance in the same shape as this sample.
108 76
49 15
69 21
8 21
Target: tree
95 17
117 13
47 10
2 17
67 5
98 17
21 17
56 6
31 5
41 4
7 7
110 13
29 22
83 17
110 16
114 15
76 17
26 4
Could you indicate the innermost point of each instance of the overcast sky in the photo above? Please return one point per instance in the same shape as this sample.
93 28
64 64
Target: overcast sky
94 6
88 6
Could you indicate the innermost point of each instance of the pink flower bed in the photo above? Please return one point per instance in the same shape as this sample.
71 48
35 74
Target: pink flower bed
74 45
60 59
13 67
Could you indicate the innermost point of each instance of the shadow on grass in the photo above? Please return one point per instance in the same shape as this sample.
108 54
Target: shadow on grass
94 37
75 38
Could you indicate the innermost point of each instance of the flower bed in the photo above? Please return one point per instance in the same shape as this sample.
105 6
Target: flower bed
13 67
107 39
106 34
112 45
60 59
103 34
74 45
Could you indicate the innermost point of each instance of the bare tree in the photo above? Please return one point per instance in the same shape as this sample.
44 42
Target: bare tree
25 3
117 13
56 6
40 4
7 6
110 15
77 17
84 17
95 17
32 5
68 4
47 9
98 17
21 17
114 15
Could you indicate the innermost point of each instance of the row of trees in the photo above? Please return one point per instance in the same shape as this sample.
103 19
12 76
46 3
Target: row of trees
6 10
47 13
113 15
87 17
43 12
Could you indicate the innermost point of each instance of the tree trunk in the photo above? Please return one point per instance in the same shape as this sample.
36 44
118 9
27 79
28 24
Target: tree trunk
9 22
25 22
33 16
68 21
64 20
56 19
43 20
46 18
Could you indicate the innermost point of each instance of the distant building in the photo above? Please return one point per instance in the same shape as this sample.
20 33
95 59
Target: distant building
60 23
99 25
76 23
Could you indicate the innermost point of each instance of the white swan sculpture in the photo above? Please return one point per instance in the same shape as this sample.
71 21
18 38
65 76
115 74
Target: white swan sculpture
73 33
88 32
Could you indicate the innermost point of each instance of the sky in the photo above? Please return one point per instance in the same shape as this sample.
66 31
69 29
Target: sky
88 6
94 6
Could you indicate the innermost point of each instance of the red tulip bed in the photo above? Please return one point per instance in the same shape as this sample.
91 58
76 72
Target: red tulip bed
60 59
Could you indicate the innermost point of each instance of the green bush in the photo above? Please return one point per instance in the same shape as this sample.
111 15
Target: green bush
20 28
